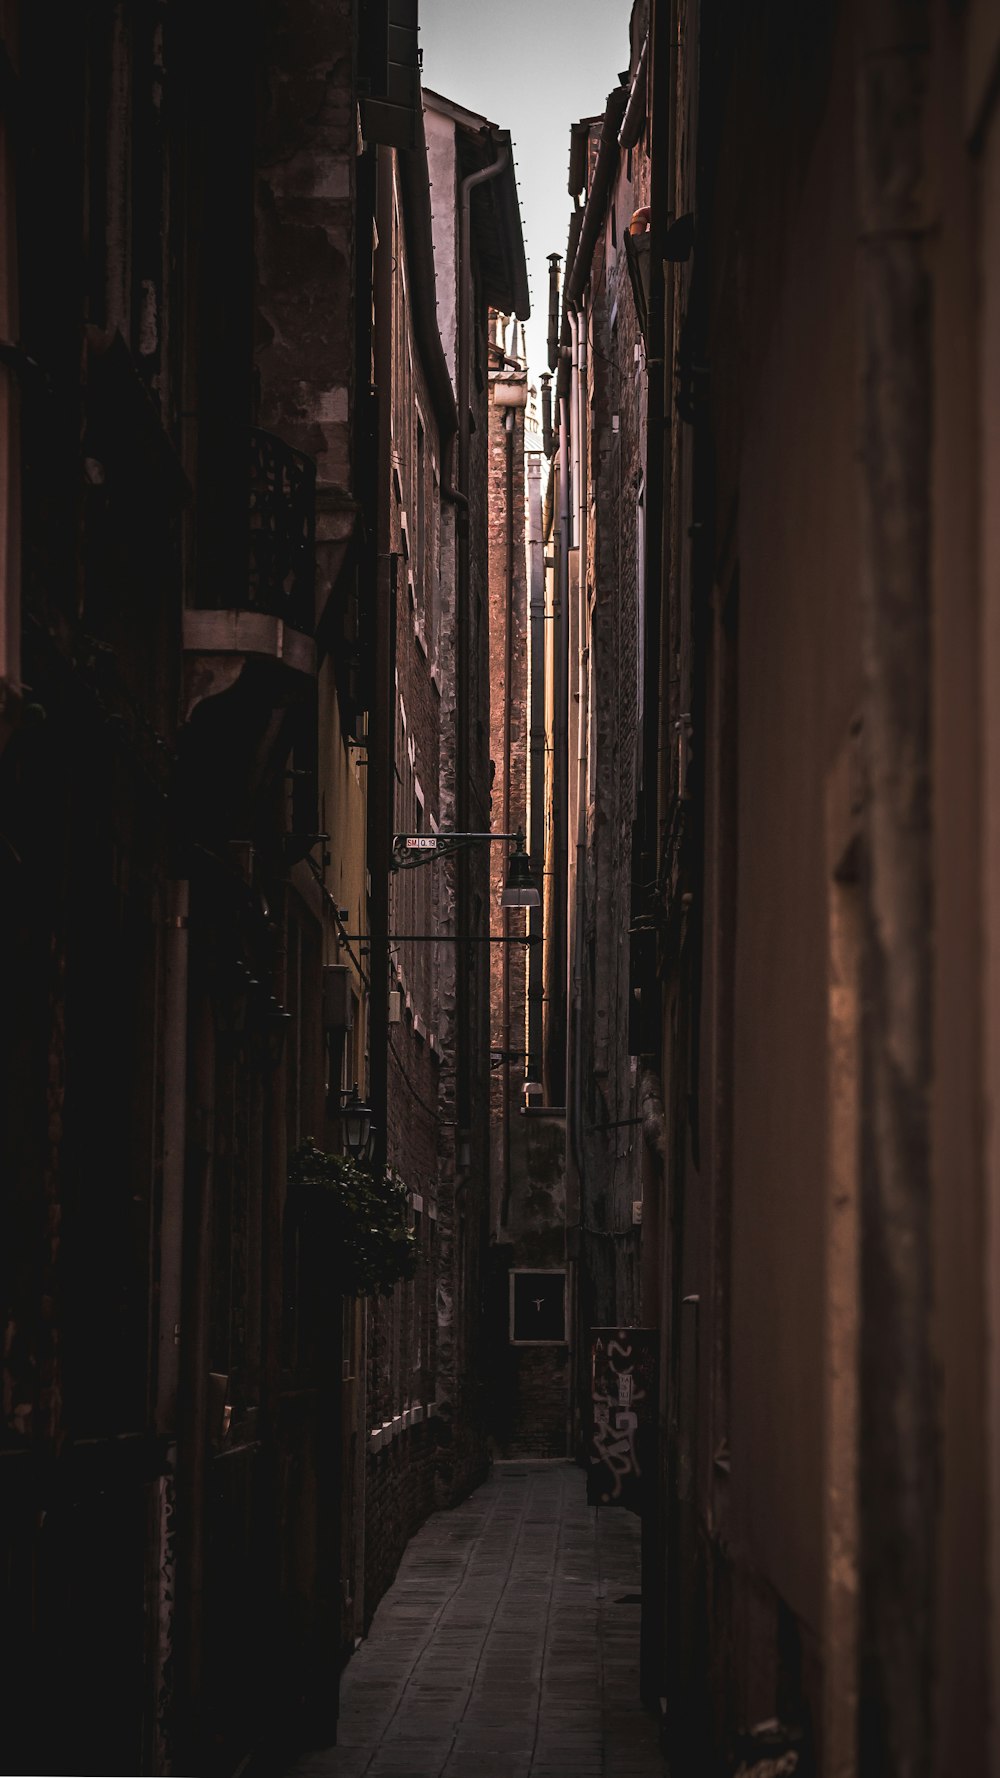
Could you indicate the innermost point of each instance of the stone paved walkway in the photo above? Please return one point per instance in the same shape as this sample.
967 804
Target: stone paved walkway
508 1646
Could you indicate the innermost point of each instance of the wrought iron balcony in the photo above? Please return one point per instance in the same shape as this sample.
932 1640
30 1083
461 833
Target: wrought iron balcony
282 566
269 612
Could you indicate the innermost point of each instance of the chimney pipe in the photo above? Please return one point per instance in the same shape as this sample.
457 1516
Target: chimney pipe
548 441
555 260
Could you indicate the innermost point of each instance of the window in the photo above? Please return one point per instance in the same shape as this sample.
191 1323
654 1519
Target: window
538 1308
433 592
420 541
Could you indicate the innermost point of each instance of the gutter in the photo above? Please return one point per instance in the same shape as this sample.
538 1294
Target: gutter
563 356
578 271
415 183
584 228
635 110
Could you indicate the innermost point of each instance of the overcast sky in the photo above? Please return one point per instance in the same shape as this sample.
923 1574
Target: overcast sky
532 67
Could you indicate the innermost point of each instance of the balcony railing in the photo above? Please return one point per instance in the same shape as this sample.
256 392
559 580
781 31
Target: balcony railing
282 565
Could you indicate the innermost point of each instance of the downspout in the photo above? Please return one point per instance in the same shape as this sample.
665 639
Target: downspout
555 260
572 773
463 628
898 1449
655 1161
382 722
193 1406
508 670
547 441
635 109
10 451
536 753
169 1309
656 689
574 427
581 727
174 1146
556 1046
655 719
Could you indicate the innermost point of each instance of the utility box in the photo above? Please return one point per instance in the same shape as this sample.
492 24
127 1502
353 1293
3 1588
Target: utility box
338 999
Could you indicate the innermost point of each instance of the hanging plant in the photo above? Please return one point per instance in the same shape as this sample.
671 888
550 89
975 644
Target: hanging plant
358 1215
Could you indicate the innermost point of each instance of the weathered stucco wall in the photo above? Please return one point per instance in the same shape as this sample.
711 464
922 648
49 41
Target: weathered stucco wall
441 165
799 683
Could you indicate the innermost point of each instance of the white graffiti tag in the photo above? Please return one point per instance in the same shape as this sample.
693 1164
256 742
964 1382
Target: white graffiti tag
614 1442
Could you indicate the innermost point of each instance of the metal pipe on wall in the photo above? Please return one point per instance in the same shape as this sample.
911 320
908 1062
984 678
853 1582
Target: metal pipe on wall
193 1401
581 656
382 726
170 1301
536 755
663 124
555 260
463 662
555 945
175 1025
898 1433
572 777
508 700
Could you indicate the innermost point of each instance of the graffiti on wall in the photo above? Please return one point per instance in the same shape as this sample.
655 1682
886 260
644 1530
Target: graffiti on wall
623 1415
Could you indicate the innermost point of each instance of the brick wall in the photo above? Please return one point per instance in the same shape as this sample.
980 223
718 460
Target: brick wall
508 603
423 1341
399 1494
612 1147
401 1331
528 1384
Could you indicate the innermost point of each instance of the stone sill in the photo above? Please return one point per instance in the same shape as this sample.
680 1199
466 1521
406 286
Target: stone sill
248 633
380 1437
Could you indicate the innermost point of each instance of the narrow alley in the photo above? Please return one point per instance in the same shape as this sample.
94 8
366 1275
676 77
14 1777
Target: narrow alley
507 1646
500 889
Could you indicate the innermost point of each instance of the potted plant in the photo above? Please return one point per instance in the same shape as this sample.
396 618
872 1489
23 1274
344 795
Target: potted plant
358 1217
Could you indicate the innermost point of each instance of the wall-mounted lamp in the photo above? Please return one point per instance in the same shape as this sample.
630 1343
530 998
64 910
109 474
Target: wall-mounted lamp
519 891
356 1117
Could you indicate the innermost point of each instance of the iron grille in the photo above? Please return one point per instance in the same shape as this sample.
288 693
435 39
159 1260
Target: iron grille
282 567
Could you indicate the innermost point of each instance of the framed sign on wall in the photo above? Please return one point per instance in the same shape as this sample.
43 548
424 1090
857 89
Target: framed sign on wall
538 1307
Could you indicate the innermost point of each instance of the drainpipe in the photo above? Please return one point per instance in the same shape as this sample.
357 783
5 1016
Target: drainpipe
898 1454
536 751
382 715
174 1127
578 658
10 454
193 1399
572 717
662 87
555 260
508 669
635 110
547 440
555 1048
574 423
175 1025
463 663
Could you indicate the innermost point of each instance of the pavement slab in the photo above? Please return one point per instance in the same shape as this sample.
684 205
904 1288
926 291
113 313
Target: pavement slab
507 1647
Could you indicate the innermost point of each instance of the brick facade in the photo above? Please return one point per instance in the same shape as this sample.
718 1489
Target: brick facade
426 1430
401 1331
609 1135
191 577
529 1388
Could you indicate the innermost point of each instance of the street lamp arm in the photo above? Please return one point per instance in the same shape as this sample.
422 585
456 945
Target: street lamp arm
411 849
